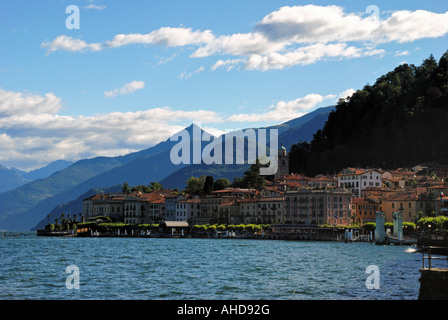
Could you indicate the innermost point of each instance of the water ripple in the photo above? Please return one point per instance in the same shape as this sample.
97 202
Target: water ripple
34 268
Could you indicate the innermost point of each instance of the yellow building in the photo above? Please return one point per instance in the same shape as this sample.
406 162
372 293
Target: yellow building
410 203
363 210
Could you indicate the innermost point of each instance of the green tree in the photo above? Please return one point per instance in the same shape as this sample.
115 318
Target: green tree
208 184
252 177
141 188
195 186
221 184
126 189
155 186
299 156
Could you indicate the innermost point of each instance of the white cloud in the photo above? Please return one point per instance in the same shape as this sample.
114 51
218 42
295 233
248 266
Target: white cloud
402 53
67 43
229 64
408 26
347 93
32 133
283 110
311 24
167 36
307 55
286 37
188 75
95 7
126 89
16 103
240 44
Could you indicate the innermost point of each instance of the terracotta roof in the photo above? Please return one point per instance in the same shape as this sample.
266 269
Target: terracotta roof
231 203
261 199
363 201
356 171
189 201
235 190
324 178
295 177
107 196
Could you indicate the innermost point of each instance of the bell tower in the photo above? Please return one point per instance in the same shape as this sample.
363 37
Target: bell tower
283 163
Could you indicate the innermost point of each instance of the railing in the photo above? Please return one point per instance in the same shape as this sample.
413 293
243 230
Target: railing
429 255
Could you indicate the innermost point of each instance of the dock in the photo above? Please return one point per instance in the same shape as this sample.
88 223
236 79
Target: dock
5 234
433 280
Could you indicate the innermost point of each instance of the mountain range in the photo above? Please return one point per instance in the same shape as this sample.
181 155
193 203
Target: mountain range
13 178
27 206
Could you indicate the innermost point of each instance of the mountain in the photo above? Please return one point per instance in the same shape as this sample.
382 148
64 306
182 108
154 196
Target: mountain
27 206
46 171
17 201
305 119
293 131
24 207
10 179
159 167
13 178
304 131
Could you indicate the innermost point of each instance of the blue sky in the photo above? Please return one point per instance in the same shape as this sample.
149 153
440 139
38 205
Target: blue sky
136 72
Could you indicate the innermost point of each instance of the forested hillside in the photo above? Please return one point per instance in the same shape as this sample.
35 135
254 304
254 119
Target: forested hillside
399 121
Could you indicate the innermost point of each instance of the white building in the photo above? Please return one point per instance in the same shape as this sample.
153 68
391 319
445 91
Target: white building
187 208
171 206
357 180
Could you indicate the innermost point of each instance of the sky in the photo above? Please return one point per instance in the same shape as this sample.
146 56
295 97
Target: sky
114 77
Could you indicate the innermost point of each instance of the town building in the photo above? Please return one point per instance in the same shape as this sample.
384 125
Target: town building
357 180
282 163
321 181
109 205
187 209
261 210
364 209
316 207
141 208
353 196
170 205
294 181
410 202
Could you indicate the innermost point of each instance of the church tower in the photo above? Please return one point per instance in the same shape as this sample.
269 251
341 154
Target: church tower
283 163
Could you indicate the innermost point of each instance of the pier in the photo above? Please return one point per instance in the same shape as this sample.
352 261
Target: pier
303 232
5 234
433 280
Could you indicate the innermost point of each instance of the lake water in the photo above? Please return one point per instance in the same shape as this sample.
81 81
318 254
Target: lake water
197 269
